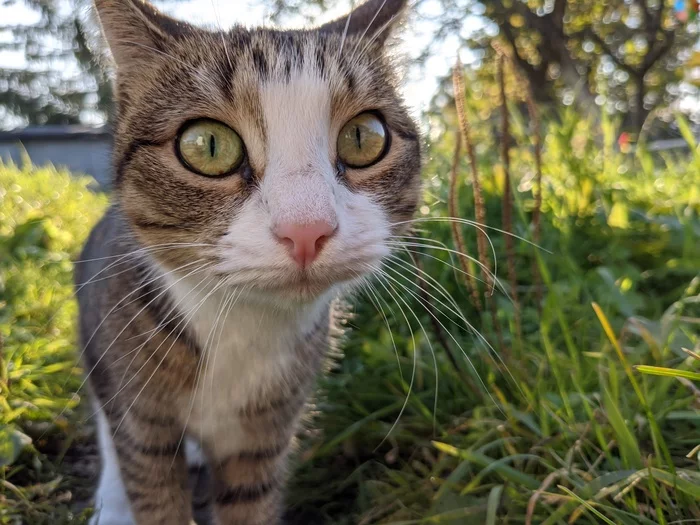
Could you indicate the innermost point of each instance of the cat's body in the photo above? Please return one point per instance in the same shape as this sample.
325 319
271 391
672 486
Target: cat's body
232 380
206 293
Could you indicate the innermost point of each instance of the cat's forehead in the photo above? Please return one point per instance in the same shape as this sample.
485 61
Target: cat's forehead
232 75
262 56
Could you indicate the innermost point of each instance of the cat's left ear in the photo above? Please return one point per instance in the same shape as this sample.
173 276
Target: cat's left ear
374 19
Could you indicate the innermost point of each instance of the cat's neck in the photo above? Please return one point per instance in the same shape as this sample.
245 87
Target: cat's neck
238 318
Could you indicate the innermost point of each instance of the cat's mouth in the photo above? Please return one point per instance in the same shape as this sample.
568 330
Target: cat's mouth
309 285
302 286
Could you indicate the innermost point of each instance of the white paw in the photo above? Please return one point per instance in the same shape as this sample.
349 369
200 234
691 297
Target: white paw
194 454
111 517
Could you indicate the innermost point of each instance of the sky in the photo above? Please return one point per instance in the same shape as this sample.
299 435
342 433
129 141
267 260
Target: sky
419 85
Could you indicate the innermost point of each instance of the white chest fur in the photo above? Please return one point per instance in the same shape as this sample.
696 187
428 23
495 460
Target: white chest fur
246 345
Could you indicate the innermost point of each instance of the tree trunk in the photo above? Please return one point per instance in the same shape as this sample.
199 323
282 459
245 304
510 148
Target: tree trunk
639 113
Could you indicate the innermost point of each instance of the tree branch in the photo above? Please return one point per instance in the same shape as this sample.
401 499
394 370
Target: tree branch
589 33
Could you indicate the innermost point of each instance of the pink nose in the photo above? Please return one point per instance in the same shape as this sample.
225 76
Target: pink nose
304 241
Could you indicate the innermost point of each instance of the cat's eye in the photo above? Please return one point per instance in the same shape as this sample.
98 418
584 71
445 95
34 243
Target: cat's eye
210 148
362 141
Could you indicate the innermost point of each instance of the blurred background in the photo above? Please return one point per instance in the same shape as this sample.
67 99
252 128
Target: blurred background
530 354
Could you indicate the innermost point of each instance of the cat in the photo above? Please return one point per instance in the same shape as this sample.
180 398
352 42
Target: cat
259 174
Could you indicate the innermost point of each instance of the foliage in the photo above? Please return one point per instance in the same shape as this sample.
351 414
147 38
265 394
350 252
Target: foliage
625 54
44 217
558 427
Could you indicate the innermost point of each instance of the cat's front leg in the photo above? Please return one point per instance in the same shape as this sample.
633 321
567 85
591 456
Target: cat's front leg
247 485
152 469
249 472
247 488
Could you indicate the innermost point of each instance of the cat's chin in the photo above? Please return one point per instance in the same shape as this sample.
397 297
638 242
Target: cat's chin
299 292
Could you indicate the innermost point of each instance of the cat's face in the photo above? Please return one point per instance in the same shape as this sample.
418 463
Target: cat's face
286 159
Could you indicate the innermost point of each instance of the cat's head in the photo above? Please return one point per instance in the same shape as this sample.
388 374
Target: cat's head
283 160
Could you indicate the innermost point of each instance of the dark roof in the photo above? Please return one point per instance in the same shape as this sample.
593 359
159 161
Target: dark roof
66 132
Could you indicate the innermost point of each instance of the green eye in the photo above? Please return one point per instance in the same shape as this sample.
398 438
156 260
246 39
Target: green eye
210 148
362 141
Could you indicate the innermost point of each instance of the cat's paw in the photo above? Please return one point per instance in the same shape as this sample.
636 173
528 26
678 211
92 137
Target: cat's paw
111 517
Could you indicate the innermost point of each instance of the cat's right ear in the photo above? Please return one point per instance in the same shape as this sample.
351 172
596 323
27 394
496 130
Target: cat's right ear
136 32
373 19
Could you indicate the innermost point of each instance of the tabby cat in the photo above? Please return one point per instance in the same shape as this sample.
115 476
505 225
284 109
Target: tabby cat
258 175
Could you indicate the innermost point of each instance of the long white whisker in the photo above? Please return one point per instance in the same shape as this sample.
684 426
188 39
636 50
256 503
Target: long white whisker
456 311
131 321
376 35
471 223
122 386
155 247
369 290
211 356
430 346
163 322
493 251
345 31
186 319
456 269
488 272
200 370
415 351
85 345
469 361
362 37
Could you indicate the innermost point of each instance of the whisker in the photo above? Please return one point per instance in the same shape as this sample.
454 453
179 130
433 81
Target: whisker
94 279
146 249
345 30
377 34
448 250
131 321
368 289
117 305
435 365
200 369
468 359
413 370
475 224
159 327
85 345
362 36
456 311
186 319
455 269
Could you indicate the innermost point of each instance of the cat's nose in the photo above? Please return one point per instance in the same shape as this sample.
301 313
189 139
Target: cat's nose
304 241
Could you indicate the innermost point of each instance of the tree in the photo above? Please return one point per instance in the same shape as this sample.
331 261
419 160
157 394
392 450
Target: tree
625 55
57 81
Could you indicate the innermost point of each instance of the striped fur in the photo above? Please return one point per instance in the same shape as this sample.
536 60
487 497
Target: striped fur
201 338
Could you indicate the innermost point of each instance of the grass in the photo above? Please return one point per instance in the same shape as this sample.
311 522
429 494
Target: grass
561 425
45 215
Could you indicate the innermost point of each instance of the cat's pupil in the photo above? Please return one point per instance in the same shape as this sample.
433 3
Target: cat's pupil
357 137
212 145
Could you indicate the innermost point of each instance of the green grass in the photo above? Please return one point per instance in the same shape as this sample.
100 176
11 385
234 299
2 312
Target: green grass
45 215
560 427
